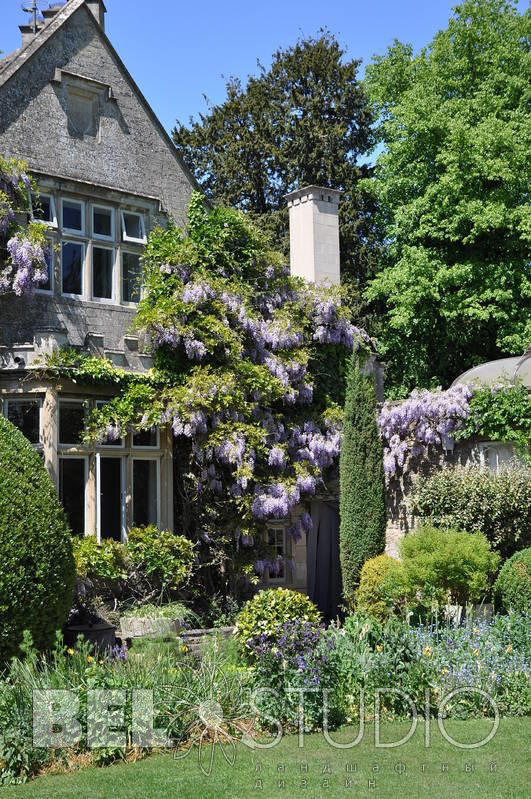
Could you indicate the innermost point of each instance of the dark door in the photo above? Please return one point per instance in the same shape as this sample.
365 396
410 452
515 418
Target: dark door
324 570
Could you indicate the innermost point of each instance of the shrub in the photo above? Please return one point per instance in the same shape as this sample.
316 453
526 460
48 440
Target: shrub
512 589
447 563
268 611
381 586
104 561
36 562
479 500
163 556
362 482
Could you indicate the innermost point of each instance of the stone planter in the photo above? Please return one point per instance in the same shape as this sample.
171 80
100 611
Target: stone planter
148 626
103 635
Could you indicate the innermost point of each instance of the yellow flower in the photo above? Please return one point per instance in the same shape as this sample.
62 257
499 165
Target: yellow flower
100 662
90 658
509 649
184 649
427 651
379 647
444 670
475 630
70 651
475 652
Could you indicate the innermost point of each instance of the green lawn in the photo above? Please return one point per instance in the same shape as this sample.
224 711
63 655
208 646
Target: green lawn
499 770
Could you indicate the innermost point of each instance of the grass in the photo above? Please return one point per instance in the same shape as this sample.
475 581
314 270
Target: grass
499 770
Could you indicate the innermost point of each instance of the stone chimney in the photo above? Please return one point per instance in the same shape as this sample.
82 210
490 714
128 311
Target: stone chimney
97 7
314 234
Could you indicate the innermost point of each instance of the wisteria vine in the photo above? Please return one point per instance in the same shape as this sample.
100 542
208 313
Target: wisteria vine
23 264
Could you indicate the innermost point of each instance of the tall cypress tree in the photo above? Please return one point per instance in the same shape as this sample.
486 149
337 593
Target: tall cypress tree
362 481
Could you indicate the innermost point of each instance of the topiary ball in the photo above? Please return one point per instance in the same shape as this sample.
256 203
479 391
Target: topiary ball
512 589
269 610
380 586
36 561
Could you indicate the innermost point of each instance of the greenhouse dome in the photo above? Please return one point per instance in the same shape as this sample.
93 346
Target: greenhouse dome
512 370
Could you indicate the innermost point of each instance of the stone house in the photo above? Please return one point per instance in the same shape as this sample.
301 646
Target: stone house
107 173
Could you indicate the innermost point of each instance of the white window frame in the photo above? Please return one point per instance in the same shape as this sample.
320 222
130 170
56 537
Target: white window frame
70 231
100 236
146 447
75 456
49 291
71 401
132 239
493 446
83 257
53 210
123 490
108 300
129 303
279 529
158 470
26 398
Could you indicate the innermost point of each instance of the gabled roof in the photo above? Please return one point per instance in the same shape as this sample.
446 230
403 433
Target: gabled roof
10 65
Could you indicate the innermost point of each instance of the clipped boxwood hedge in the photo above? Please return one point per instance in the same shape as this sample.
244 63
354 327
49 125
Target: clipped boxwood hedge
512 589
36 560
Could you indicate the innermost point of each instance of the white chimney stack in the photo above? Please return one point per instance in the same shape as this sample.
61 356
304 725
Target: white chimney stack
314 234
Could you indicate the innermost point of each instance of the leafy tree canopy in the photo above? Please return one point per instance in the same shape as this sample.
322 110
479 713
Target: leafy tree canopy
303 121
453 187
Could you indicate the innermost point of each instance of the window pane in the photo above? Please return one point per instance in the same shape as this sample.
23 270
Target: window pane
275 539
25 414
145 498
102 273
42 207
72 268
146 438
131 277
71 422
133 226
111 498
102 222
72 492
48 256
72 215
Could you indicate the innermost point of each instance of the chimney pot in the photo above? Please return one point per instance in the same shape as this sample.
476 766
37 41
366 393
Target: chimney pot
97 7
314 234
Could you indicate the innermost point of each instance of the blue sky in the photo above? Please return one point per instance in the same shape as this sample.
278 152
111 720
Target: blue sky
178 50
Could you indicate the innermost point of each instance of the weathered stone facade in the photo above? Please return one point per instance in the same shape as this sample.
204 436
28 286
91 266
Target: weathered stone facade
109 174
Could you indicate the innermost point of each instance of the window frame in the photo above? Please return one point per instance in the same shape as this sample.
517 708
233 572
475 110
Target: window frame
124 251
64 456
281 579
83 246
26 398
146 447
157 460
54 222
51 290
132 239
71 231
99 236
107 447
106 300
70 401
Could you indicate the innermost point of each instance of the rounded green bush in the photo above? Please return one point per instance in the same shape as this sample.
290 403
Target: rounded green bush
512 589
380 586
36 560
270 609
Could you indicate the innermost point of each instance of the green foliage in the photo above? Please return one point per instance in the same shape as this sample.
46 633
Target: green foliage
362 482
36 562
448 564
500 415
167 557
512 589
265 139
104 561
497 504
452 187
268 610
381 586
